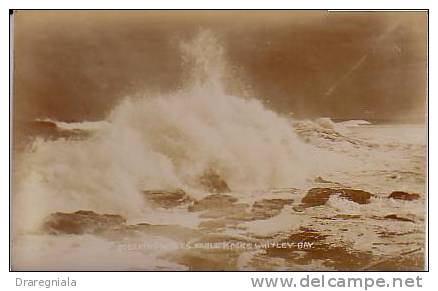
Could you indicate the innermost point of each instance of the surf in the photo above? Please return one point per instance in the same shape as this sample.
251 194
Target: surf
165 142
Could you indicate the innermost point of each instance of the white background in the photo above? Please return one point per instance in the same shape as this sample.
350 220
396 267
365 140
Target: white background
205 280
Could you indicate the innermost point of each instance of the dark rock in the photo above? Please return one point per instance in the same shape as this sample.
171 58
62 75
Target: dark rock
221 206
358 196
213 182
214 201
267 208
167 199
404 195
226 211
81 222
223 211
320 196
112 226
317 196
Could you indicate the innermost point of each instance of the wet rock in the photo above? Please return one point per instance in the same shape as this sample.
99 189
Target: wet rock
358 196
317 196
320 196
221 207
404 195
396 217
223 211
167 199
267 208
213 182
81 222
112 226
214 201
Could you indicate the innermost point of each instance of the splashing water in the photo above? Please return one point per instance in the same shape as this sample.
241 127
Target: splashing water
164 142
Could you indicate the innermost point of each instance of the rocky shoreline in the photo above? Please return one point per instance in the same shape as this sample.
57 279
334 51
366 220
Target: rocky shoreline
220 213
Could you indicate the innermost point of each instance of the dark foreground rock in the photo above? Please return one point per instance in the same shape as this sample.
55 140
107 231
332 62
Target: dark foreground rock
111 226
316 197
81 222
214 201
224 210
404 196
167 199
226 204
358 196
220 207
267 208
320 196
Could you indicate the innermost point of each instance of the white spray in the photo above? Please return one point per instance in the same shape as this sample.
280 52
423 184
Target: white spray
164 142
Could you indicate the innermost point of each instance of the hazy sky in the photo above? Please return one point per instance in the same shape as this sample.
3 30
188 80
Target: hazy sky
77 65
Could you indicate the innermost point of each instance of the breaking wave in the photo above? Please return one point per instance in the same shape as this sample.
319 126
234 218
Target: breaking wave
165 142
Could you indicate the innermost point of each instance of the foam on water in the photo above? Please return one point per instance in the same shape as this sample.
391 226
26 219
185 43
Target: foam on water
89 253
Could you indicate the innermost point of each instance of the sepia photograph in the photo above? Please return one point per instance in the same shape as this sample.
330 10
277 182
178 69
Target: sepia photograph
218 140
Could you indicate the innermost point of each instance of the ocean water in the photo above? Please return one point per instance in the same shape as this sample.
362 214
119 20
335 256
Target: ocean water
150 149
